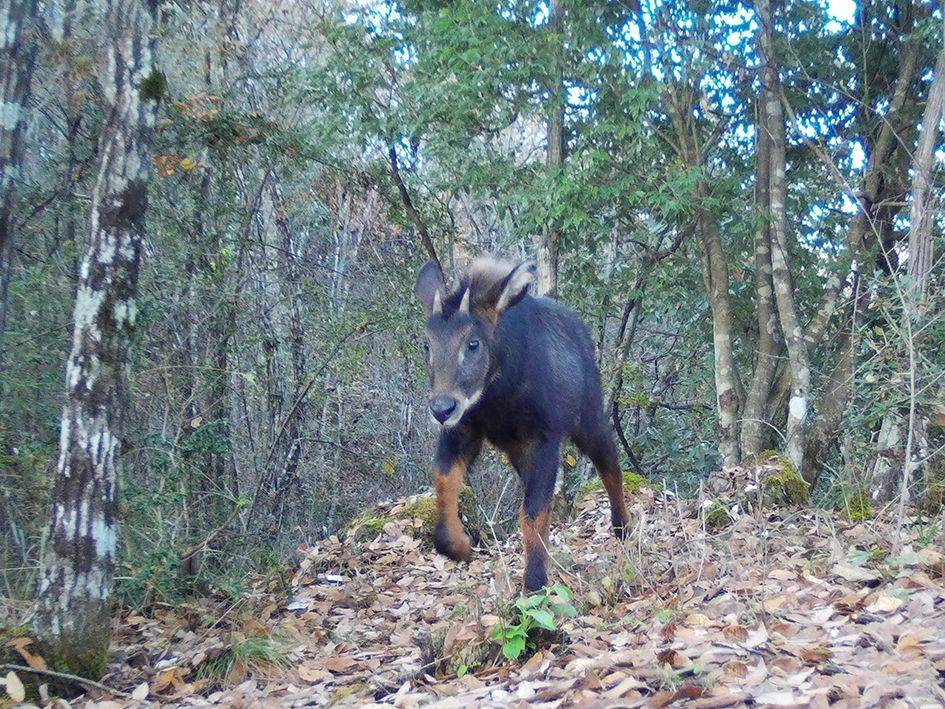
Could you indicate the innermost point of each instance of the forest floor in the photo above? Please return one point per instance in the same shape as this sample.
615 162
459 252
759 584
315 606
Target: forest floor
779 607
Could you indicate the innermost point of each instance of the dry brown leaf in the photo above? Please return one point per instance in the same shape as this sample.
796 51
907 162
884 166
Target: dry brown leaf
34 661
698 620
757 637
309 672
339 665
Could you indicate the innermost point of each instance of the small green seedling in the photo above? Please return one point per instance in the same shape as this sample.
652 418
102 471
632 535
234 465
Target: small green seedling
533 616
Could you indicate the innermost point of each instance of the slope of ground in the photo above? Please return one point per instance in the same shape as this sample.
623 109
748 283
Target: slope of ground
779 607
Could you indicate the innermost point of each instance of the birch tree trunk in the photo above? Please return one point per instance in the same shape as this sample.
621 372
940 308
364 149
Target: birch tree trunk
72 616
17 55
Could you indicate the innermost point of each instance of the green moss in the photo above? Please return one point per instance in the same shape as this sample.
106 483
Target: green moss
782 484
367 527
717 517
856 506
84 662
632 482
422 509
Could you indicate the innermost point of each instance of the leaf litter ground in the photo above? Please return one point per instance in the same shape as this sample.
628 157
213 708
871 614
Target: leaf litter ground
780 607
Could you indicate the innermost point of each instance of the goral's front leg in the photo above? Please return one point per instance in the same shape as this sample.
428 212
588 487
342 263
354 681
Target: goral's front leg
535 514
456 451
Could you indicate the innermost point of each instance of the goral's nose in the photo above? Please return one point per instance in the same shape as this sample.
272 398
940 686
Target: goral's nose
441 407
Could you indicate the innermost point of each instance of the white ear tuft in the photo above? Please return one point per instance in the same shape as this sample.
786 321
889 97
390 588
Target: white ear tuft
464 303
437 304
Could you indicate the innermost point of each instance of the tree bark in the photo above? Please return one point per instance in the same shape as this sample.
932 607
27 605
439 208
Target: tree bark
888 477
727 386
295 426
755 423
72 616
920 213
546 281
411 210
17 57
798 356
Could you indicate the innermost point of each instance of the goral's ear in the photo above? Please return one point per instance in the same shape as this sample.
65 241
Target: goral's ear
498 285
515 286
429 288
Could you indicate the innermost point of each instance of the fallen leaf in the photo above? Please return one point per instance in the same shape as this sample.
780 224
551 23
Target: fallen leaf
140 692
698 620
853 573
783 698
15 687
628 684
339 665
884 604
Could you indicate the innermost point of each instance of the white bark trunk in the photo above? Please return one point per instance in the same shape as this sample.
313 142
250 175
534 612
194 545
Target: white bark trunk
76 581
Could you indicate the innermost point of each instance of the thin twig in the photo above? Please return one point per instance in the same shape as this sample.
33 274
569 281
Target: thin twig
69 677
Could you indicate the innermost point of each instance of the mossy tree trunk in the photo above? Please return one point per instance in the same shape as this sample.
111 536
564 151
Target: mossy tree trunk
72 615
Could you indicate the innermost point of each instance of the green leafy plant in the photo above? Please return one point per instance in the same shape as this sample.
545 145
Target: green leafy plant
533 618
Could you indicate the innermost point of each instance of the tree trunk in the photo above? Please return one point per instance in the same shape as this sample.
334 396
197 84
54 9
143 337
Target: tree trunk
727 387
547 240
289 253
798 356
920 213
888 477
17 55
755 424
72 617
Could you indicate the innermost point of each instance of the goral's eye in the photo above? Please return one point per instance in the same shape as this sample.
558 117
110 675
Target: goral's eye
473 345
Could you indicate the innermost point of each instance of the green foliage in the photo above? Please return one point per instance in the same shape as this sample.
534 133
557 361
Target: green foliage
154 86
254 655
531 620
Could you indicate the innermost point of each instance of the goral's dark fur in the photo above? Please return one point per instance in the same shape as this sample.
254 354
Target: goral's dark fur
540 384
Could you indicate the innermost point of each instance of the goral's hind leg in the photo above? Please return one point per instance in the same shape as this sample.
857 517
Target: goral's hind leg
456 451
539 478
596 443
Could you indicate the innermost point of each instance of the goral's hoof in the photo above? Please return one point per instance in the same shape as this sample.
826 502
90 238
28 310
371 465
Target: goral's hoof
535 578
455 548
621 531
